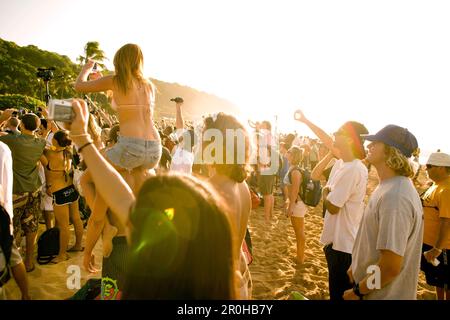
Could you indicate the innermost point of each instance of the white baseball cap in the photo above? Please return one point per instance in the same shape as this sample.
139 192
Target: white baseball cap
439 159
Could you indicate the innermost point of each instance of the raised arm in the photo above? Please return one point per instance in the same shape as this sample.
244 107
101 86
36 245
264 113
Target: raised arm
6 115
108 182
321 134
180 120
82 84
317 172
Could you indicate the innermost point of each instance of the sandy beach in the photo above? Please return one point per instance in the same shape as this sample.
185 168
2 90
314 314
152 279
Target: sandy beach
274 272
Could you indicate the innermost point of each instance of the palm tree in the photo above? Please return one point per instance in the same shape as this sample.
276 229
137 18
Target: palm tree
92 51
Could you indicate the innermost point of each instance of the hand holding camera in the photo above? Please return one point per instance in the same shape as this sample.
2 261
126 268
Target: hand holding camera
177 100
79 126
90 64
60 110
95 73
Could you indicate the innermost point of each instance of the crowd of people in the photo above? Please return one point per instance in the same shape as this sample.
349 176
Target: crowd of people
171 200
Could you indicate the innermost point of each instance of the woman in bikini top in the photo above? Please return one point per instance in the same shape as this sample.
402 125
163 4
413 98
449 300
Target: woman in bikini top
136 116
133 95
65 197
59 176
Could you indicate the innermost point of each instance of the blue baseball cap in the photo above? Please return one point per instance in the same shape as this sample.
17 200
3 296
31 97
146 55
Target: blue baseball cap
396 137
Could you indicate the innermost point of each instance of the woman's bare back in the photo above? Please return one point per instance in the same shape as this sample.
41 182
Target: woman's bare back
57 176
135 110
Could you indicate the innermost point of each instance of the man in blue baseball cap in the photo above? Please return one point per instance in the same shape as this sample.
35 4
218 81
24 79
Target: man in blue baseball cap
387 250
396 137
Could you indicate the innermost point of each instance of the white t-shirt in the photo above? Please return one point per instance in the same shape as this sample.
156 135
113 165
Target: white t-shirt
347 182
182 160
6 178
393 220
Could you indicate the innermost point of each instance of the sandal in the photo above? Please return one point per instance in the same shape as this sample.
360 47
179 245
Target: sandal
56 262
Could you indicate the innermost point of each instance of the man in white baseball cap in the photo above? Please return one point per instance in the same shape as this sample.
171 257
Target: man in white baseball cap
436 236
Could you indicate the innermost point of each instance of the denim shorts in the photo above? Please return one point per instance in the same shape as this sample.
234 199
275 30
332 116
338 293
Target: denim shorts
130 153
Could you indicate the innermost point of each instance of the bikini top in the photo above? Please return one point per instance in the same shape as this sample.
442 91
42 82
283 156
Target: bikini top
66 173
115 106
150 105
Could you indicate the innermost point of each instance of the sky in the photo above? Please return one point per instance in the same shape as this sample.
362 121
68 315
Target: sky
377 62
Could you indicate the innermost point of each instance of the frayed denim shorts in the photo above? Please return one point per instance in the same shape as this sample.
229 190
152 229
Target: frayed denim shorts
130 153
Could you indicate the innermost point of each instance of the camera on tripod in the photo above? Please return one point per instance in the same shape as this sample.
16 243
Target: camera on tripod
45 74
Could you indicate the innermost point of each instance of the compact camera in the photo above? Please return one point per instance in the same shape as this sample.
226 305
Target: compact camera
60 110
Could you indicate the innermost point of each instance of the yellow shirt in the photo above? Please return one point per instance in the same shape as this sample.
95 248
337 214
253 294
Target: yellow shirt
436 205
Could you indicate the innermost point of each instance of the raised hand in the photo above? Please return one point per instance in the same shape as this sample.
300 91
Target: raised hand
89 64
299 116
95 75
79 125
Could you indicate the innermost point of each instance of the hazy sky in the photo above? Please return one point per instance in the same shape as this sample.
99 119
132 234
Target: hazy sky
378 62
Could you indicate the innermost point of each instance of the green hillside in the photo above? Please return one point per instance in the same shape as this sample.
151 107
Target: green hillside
18 67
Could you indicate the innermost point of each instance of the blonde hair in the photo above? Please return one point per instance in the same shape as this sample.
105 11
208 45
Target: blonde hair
128 64
296 155
398 162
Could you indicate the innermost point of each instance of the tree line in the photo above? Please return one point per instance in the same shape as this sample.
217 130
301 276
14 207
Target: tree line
19 65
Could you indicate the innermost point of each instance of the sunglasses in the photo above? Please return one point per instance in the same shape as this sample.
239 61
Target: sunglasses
429 166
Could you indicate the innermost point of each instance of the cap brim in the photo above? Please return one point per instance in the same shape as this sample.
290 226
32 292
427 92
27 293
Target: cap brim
369 137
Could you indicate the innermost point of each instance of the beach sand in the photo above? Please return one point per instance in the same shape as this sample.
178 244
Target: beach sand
49 282
274 272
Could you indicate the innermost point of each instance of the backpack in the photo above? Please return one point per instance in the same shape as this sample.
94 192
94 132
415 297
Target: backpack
48 246
310 190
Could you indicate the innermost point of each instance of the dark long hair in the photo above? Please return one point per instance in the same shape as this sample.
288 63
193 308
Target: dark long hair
62 137
181 243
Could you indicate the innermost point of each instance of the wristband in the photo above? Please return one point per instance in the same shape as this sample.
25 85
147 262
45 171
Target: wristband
84 146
